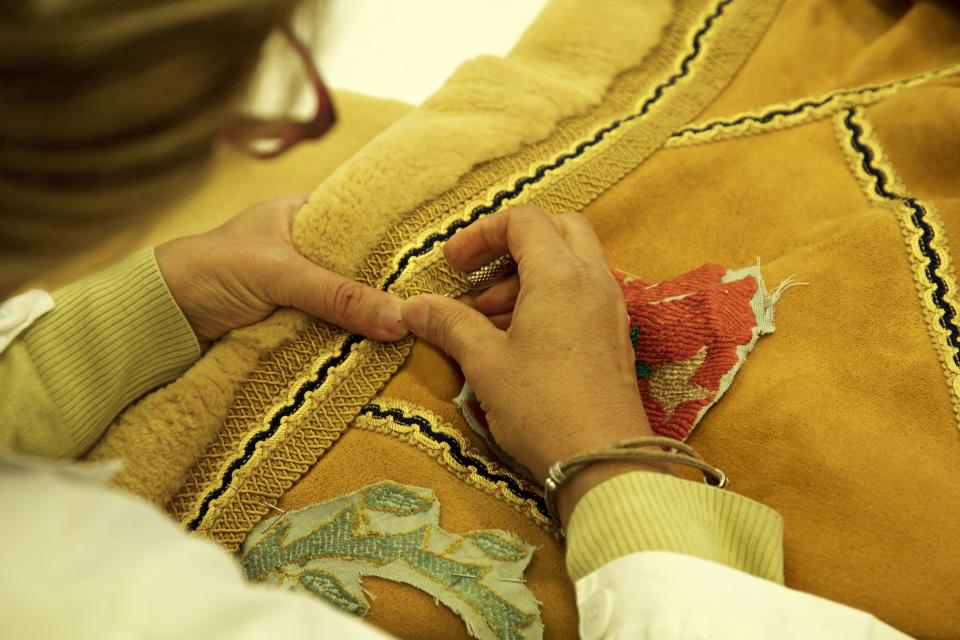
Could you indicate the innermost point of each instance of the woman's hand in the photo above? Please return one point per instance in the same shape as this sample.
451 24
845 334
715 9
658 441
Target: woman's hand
240 272
560 379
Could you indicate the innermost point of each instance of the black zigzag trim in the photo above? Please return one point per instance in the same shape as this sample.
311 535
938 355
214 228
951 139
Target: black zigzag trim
509 194
286 410
496 202
947 314
466 459
767 117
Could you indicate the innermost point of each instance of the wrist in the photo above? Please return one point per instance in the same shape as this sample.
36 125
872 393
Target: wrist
590 434
597 473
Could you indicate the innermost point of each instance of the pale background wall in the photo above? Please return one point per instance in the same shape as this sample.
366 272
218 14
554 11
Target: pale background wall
404 49
397 49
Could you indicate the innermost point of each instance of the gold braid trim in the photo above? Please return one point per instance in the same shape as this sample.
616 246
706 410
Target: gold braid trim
923 233
276 429
790 114
404 421
721 50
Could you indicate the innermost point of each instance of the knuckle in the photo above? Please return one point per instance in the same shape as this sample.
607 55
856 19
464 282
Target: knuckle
291 207
451 329
446 327
269 270
275 260
347 299
527 213
291 203
572 271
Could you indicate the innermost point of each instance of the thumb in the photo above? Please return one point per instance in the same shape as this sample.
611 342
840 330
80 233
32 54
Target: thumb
451 325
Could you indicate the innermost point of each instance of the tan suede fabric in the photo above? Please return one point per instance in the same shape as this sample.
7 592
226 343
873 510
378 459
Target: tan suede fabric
828 419
843 420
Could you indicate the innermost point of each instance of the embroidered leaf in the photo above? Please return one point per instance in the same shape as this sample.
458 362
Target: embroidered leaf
393 498
392 531
497 546
325 586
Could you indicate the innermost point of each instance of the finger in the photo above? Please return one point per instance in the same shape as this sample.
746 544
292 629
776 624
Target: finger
502 321
524 232
500 298
346 303
581 238
453 326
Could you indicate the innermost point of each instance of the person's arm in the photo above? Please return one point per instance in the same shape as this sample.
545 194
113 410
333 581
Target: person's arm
657 557
118 334
553 366
83 561
110 338
636 512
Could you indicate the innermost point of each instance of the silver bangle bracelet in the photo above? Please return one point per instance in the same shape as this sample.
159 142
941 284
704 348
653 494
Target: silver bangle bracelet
632 450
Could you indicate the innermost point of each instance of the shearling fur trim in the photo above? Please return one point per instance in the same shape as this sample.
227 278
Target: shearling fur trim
489 108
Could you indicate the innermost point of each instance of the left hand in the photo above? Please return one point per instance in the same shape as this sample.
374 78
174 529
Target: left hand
240 272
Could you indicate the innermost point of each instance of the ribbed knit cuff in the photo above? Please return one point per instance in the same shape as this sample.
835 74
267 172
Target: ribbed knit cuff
637 512
111 338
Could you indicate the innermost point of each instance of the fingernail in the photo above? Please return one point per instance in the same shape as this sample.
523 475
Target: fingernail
391 319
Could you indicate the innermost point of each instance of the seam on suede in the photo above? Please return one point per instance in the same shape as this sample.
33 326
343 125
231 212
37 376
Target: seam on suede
209 502
923 233
790 114
442 442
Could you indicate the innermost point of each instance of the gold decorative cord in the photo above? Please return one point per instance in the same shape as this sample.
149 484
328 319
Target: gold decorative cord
923 233
790 114
442 442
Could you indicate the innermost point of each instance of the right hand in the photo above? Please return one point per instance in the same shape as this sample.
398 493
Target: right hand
560 379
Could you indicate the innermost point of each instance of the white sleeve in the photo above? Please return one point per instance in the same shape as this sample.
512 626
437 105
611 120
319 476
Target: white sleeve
82 561
19 312
660 595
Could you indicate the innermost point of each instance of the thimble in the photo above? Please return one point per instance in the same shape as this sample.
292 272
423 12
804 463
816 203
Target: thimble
491 272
